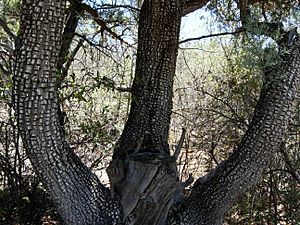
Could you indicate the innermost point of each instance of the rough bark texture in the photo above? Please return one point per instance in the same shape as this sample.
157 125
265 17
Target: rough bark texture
213 195
142 172
80 197
147 128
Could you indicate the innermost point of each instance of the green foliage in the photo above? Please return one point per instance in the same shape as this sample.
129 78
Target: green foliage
10 11
228 11
10 7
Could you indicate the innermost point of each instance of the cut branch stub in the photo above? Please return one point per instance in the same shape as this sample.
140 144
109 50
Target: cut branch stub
146 184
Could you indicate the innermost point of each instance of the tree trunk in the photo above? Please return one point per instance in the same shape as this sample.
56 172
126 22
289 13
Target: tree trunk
214 194
78 194
142 171
147 128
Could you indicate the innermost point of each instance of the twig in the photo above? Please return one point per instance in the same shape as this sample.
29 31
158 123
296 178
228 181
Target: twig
4 71
212 35
238 118
180 144
223 115
109 6
97 47
71 58
289 164
100 22
123 89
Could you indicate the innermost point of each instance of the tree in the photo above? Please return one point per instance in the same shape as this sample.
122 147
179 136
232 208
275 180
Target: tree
143 174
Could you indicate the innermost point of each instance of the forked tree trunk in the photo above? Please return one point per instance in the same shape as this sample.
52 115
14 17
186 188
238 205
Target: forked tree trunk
142 173
77 193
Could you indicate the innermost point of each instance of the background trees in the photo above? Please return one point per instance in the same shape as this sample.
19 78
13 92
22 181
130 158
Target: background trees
226 94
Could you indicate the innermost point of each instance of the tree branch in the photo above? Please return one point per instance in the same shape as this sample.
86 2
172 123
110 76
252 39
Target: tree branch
71 58
110 6
100 22
246 165
68 35
212 35
243 6
269 29
123 89
180 144
193 5
291 170
97 47
109 83
4 71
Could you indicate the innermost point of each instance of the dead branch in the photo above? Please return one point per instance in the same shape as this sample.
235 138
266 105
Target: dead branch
180 144
212 35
